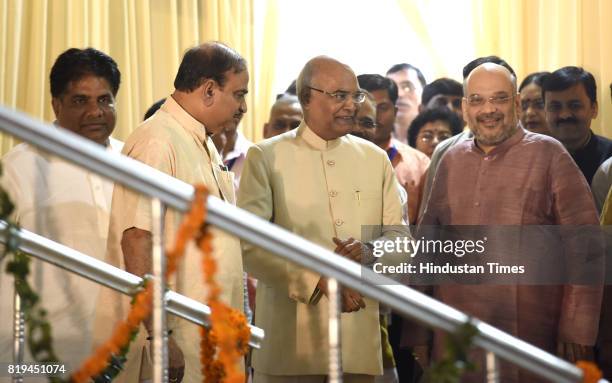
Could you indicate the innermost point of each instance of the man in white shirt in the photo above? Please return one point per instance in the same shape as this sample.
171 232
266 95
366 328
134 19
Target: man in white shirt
64 202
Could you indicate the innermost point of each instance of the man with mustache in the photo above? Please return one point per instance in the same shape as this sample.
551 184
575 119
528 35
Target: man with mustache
508 176
210 89
64 202
467 134
570 99
324 184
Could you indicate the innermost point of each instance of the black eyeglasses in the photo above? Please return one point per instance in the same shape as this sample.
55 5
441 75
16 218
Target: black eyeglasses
341 95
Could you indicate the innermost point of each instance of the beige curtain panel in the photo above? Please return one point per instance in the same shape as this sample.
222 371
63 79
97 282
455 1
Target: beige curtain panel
147 39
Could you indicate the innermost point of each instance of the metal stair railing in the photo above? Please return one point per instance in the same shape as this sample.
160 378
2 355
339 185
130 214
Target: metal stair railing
111 276
177 194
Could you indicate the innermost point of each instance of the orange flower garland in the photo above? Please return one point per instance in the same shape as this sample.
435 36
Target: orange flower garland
96 363
229 333
591 373
141 307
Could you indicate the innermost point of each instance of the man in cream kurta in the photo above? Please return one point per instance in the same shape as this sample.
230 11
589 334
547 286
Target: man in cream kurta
177 143
319 183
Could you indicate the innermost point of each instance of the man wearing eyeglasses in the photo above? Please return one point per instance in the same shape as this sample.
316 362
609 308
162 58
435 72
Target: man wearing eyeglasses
508 176
285 115
323 184
444 146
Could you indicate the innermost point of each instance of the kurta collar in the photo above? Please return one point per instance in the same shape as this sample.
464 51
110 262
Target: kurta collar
314 140
504 146
185 119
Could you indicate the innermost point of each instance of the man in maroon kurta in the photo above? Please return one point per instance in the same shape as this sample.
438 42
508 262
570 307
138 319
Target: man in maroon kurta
508 176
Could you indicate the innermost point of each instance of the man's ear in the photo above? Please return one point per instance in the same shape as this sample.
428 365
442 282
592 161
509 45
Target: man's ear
57 105
208 91
421 108
594 110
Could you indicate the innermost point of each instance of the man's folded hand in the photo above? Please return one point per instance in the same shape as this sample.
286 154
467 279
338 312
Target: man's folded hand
351 300
350 248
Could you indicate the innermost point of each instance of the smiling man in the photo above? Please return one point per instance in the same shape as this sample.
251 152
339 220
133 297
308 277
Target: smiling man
322 183
64 202
570 99
209 96
508 176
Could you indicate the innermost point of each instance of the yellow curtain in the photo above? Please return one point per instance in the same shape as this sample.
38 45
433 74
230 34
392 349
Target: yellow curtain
532 35
146 38
536 35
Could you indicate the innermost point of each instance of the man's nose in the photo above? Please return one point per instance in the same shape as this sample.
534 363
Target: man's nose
351 105
531 111
94 109
489 107
565 112
243 107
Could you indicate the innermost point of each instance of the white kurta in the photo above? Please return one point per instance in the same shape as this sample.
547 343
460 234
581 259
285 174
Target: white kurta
316 189
69 205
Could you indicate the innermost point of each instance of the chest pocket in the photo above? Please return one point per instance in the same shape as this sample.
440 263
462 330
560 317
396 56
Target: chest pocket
369 205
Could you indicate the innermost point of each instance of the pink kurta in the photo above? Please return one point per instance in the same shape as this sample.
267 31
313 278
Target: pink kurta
529 179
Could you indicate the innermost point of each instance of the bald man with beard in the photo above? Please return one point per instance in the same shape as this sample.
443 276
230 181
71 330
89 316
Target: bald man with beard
508 176
305 181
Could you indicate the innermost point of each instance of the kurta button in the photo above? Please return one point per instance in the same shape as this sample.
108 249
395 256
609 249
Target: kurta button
333 193
331 162
477 204
339 222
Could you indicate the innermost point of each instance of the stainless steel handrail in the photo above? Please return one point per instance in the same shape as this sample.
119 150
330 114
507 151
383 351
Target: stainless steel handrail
272 238
110 276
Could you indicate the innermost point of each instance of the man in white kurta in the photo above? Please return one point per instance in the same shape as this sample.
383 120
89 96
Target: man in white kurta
69 205
64 202
175 142
319 183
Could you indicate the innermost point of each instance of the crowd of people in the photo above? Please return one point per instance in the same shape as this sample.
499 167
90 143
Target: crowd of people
340 151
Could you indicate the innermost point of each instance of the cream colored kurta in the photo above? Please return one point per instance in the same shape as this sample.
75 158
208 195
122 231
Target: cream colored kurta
174 142
69 205
316 189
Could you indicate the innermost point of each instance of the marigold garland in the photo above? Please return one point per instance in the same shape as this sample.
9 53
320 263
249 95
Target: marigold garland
591 373
142 302
229 333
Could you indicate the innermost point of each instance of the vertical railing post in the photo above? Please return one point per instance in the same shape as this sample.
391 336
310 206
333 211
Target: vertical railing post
492 367
18 332
335 347
160 335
